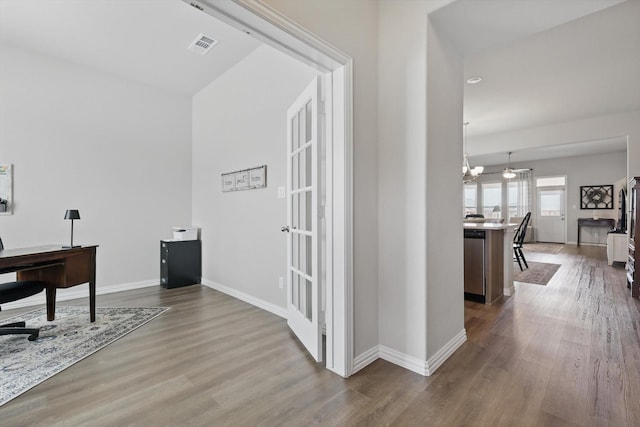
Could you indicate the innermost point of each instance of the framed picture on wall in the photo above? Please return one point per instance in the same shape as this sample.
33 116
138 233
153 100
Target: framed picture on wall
596 197
6 189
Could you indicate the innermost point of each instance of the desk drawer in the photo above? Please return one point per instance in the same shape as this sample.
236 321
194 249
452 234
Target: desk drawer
79 269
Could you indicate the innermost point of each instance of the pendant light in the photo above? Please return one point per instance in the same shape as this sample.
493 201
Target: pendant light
508 172
468 174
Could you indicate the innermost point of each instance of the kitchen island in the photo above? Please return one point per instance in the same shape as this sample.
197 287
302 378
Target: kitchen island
488 261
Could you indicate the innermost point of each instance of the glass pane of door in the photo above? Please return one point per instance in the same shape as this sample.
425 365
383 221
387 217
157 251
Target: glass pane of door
550 203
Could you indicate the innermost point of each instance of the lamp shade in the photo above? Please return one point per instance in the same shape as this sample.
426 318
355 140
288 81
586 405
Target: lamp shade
72 214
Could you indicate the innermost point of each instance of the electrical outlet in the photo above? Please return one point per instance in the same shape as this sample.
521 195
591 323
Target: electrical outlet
281 282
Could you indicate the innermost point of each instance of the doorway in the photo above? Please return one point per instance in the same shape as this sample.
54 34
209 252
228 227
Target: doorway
275 30
551 208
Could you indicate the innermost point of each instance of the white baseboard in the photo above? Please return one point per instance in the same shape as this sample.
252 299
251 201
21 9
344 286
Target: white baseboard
445 352
81 291
593 244
365 359
586 244
411 363
250 299
419 366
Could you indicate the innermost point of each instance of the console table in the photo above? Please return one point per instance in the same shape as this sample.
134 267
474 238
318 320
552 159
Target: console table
590 222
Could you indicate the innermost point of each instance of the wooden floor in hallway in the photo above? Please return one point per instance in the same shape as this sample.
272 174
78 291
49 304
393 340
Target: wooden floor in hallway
564 354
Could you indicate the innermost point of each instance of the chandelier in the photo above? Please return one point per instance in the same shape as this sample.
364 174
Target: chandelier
469 174
508 172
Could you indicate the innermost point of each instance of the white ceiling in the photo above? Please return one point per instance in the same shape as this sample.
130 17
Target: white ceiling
521 157
480 26
542 61
141 40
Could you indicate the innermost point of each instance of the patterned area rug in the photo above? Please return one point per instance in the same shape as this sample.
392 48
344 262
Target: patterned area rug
63 342
538 273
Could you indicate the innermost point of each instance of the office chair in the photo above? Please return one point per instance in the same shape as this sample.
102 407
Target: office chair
518 240
13 291
474 216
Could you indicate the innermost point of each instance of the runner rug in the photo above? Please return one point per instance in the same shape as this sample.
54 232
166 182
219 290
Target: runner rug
538 273
62 342
545 248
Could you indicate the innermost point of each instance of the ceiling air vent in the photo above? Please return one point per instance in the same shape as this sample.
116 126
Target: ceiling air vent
202 44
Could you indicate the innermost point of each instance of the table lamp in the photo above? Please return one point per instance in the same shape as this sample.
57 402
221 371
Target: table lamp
71 214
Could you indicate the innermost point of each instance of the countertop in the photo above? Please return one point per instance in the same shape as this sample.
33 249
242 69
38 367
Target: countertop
487 226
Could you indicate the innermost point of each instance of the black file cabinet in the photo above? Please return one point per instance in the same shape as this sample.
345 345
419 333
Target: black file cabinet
180 263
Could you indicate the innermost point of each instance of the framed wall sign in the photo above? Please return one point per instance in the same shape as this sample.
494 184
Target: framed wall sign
596 197
242 180
246 179
228 181
256 177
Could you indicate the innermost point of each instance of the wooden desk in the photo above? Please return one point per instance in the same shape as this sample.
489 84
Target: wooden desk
59 267
590 222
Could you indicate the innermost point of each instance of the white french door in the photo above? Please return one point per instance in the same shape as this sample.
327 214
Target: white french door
551 212
303 287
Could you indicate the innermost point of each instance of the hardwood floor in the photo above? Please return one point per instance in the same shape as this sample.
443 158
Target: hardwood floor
564 354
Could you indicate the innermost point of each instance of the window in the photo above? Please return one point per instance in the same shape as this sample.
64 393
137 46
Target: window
554 181
499 199
491 199
470 199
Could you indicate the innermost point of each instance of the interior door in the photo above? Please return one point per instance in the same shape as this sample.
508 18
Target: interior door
551 213
303 289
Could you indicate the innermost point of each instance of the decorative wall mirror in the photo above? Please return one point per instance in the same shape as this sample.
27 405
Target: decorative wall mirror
6 186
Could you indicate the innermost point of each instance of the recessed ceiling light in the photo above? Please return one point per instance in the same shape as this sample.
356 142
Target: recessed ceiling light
474 80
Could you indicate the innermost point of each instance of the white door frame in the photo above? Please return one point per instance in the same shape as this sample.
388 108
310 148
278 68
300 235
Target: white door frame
267 25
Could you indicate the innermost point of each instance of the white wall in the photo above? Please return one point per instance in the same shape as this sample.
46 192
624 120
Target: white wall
402 179
391 174
420 116
239 121
118 151
601 169
445 267
352 27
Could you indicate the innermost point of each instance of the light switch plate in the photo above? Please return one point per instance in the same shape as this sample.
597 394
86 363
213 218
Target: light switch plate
281 193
